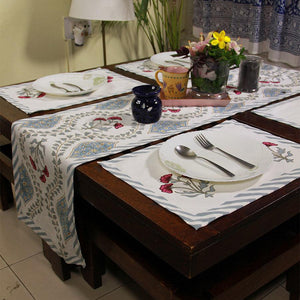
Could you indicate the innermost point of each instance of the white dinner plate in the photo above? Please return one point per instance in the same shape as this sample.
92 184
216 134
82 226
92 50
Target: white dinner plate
166 59
87 82
246 148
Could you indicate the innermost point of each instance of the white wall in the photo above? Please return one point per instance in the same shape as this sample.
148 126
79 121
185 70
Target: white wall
33 45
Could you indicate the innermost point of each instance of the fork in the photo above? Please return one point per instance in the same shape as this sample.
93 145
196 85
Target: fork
74 85
202 140
52 84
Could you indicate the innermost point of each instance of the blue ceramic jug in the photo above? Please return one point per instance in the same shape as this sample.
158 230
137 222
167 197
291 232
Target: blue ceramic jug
146 106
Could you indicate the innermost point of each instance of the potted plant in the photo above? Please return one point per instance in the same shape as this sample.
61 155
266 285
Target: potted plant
161 21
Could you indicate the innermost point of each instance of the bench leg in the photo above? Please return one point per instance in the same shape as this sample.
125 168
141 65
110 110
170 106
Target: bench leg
293 282
6 195
60 268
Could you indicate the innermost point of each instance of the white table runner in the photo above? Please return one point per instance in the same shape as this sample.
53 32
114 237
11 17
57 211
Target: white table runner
46 150
287 112
275 83
200 202
30 100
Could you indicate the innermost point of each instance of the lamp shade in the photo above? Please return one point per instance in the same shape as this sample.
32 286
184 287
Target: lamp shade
105 10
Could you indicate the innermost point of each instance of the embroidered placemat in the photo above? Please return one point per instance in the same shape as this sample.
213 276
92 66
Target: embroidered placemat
30 100
287 112
142 67
199 202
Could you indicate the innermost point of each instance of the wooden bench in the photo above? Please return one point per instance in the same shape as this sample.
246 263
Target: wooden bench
236 277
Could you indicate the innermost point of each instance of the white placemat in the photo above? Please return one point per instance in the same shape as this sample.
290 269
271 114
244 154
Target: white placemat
142 67
199 202
287 112
30 100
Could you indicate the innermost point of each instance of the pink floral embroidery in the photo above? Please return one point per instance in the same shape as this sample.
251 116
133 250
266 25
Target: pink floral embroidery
43 178
237 92
172 110
166 178
114 118
30 93
41 95
279 154
181 184
45 171
32 163
118 125
166 188
37 162
99 119
269 144
108 122
265 81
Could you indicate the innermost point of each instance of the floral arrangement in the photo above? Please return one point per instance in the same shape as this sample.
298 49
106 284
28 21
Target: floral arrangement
216 45
211 59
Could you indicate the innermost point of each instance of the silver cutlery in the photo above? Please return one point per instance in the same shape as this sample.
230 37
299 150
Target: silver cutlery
74 85
188 153
52 84
202 140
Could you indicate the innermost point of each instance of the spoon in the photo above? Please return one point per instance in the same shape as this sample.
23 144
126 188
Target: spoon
188 153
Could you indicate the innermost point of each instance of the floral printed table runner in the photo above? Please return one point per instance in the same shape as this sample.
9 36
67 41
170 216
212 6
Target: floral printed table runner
275 82
46 150
287 112
30 100
199 202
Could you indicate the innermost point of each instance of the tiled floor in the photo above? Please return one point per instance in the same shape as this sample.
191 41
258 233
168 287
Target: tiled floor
26 275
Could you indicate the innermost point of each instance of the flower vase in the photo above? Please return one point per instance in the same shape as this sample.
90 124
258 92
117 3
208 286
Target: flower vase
209 77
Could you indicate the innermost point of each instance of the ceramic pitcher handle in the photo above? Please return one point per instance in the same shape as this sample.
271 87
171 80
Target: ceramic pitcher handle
157 79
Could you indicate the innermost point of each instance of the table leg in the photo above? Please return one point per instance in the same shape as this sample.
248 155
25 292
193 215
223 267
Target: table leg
60 268
94 258
95 265
6 195
293 282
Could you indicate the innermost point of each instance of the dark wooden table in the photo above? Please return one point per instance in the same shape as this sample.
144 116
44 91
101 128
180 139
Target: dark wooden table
9 114
227 259
175 250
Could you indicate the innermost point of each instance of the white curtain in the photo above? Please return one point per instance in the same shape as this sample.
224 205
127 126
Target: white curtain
271 26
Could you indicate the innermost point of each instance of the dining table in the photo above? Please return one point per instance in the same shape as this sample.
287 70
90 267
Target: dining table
229 258
170 250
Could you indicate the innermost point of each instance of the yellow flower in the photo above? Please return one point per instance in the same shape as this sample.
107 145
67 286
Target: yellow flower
220 39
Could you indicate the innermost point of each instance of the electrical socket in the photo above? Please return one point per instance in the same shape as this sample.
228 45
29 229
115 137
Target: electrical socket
69 23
